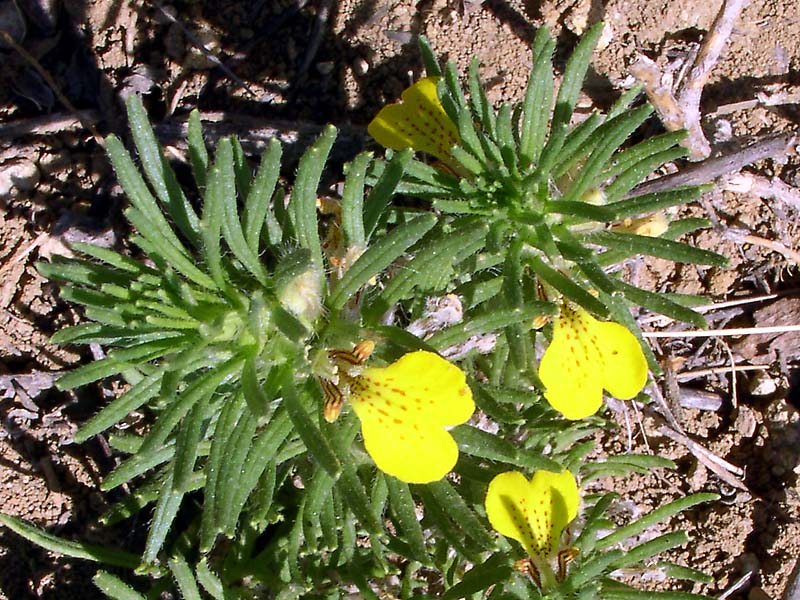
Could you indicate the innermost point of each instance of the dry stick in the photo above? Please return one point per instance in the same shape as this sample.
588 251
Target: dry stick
721 305
737 585
49 124
722 332
53 85
691 89
689 375
323 12
206 52
739 236
772 146
764 187
729 473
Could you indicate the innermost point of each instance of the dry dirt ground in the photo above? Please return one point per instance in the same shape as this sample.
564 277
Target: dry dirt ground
297 63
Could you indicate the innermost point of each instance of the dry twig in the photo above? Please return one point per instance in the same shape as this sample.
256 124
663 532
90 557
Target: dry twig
773 146
89 125
680 108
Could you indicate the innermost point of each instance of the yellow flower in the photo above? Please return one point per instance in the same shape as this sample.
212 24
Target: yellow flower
419 122
404 410
535 512
587 356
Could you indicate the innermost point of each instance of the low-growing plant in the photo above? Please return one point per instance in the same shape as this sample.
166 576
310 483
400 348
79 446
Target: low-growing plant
342 393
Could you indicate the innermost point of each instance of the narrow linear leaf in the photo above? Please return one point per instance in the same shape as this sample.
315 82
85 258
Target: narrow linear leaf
655 517
489 322
256 207
482 576
658 247
378 257
303 205
113 587
109 556
566 286
317 444
451 502
184 578
429 59
121 407
402 506
198 154
169 501
353 202
380 196
159 173
210 581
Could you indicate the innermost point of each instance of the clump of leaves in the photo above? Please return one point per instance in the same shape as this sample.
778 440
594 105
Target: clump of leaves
246 325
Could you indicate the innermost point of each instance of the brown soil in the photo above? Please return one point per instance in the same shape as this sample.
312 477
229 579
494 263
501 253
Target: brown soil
55 187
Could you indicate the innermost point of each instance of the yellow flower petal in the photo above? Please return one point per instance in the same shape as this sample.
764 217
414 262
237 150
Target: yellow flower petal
533 512
404 409
419 122
586 356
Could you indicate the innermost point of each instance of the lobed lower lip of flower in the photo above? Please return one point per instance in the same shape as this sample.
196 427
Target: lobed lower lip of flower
418 122
534 512
405 410
587 356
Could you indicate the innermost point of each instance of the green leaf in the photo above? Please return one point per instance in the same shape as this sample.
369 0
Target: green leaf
378 257
641 244
489 321
481 108
257 211
451 502
108 556
210 581
655 517
380 196
635 174
649 595
314 439
303 205
661 304
203 386
478 443
188 441
159 173
649 203
115 259
429 59
198 154
139 194
113 587
651 548
184 578
117 361
566 286
686 573
614 133
495 569
538 98
262 449
592 569
431 266
353 202
225 170
228 419
571 84
121 407
403 508
169 501
139 463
